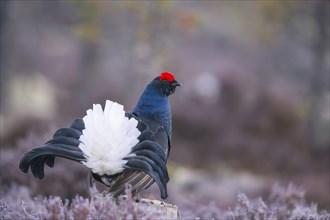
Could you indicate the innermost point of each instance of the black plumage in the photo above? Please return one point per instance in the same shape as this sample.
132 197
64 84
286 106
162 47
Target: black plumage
147 160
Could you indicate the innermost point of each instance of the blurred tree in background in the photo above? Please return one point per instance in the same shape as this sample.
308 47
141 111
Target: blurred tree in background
254 108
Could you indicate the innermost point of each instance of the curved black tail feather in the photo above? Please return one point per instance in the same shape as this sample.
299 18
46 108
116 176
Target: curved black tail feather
64 144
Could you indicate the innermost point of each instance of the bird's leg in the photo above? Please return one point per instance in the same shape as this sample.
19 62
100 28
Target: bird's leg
106 192
136 196
90 183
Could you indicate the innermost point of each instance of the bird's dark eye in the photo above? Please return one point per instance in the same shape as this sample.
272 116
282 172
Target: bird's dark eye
168 88
172 89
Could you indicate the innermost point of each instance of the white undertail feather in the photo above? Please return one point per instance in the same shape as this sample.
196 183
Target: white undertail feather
108 137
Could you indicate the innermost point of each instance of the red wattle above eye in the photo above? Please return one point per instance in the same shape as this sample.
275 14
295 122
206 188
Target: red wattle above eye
167 76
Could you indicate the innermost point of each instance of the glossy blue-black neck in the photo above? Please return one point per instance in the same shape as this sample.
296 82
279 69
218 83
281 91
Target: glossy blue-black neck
155 105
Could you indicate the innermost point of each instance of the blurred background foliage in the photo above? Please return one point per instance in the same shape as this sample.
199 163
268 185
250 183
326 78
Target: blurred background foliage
253 111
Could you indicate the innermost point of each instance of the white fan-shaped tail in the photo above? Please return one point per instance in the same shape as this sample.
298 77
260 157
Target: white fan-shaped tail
108 137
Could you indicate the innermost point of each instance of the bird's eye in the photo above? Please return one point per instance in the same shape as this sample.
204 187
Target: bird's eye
165 82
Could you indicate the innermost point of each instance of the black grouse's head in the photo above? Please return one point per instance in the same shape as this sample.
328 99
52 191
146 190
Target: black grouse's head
166 82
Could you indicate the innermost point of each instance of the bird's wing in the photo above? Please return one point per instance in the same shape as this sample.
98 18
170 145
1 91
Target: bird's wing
64 144
159 132
149 158
163 139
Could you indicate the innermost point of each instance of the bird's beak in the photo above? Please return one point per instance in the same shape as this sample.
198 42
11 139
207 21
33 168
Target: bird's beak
176 83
